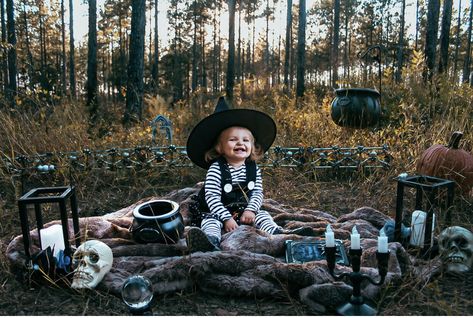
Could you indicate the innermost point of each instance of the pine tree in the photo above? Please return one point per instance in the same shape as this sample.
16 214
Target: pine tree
135 85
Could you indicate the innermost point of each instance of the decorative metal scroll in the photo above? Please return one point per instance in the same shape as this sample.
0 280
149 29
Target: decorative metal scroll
147 157
165 126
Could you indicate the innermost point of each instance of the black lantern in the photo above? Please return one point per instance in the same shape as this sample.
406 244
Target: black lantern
39 196
428 197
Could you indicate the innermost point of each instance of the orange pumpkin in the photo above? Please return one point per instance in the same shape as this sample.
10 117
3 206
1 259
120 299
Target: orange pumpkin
448 162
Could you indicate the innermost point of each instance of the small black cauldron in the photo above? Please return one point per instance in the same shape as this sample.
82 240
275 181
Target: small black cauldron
157 221
356 107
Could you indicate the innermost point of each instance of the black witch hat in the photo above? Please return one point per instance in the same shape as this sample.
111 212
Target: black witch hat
204 135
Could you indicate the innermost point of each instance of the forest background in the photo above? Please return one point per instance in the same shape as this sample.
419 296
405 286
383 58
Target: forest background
59 93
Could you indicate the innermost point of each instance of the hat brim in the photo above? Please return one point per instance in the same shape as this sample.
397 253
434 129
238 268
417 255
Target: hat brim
205 133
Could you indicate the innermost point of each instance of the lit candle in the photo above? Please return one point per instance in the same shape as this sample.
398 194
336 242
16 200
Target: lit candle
382 242
329 237
403 176
355 239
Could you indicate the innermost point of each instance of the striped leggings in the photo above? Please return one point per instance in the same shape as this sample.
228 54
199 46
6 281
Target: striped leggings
263 222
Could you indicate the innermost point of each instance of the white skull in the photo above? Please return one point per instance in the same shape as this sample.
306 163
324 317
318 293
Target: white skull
94 259
456 249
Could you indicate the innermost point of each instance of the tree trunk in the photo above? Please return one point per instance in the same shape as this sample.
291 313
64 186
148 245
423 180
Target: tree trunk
288 45
11 38
231 50
194 49
466 65
417 25
72 74
134 91
4 65
253 43
187 79
346 65
29 55
292 67
238 60
214 55
92 102
63 53
301 50
219 56
400 45
457 42
243 68
42 46
336 31
445 35
431 36
203 59
278 76
266 46
121 58
155 72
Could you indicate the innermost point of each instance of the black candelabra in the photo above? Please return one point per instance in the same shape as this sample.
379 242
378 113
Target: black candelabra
356 306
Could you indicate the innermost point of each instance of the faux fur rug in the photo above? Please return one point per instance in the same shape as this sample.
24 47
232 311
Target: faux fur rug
251 262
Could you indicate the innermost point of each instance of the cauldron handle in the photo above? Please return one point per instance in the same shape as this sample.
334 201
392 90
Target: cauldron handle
362 55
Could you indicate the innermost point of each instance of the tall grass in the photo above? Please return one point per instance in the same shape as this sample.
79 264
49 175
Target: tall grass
415 115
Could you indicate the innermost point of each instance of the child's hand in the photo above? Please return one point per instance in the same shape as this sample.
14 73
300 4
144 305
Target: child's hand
247 217
230 225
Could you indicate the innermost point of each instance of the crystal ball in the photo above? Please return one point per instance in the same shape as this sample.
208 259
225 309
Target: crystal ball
137 292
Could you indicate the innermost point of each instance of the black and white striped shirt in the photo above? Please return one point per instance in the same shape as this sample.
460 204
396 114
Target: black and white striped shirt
213 190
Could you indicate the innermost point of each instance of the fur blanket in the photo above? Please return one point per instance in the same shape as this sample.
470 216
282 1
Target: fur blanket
251 262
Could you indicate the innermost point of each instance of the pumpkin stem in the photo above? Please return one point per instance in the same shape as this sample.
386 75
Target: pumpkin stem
455 139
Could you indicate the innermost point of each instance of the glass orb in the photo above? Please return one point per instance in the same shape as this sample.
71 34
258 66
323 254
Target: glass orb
137 292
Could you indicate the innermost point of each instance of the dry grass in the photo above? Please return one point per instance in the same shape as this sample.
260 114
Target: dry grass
416 116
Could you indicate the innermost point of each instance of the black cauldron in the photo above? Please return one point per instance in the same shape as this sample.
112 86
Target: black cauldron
356 107
157 221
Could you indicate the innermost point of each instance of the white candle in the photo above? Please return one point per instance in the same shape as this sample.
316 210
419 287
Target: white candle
418 222
382 242
52 236
329 237
355 239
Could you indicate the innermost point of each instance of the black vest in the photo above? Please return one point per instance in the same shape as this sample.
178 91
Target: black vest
235 197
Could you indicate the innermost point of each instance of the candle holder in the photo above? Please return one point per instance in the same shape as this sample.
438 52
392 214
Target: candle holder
356 306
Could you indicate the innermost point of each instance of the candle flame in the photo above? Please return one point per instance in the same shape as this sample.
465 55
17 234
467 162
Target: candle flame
403 175
329 228
381 232
354 230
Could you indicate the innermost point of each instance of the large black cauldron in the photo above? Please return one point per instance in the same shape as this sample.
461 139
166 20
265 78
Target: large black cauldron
356 107
157 221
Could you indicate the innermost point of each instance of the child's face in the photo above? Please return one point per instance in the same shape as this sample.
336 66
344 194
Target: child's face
235 144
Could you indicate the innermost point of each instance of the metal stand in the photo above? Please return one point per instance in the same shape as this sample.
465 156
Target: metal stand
425 186
356 306
39 196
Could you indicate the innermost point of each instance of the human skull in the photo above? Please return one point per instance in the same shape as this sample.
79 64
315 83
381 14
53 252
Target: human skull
456 249
94 259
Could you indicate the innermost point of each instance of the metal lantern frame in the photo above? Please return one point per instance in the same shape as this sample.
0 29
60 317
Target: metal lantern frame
39 196
426 187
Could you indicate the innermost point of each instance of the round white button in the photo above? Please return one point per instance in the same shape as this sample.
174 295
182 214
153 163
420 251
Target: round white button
251 185
227 188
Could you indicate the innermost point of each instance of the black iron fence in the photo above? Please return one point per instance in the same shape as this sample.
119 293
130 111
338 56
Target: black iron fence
49 166
150 157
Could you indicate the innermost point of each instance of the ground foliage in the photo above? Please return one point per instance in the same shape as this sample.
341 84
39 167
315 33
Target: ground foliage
415 116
